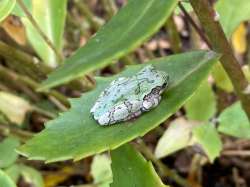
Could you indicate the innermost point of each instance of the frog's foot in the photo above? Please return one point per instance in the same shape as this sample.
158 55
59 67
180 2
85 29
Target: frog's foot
133 116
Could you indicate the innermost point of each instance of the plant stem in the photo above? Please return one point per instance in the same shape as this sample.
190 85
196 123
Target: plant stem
11 75
110 7
39 30
21 134
195 26
219 43
174 37
39 69
94 21
165 171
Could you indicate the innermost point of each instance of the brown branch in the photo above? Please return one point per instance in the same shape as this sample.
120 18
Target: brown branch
219 43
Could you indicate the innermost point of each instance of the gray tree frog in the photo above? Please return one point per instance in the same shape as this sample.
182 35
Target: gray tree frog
128 97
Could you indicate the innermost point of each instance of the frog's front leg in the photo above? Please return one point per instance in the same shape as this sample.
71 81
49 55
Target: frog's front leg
151 101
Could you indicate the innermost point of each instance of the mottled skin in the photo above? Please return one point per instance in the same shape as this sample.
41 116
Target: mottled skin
127 97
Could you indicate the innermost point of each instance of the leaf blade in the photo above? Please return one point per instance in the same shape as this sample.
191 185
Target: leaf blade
126 161
132 25
6 7
50 16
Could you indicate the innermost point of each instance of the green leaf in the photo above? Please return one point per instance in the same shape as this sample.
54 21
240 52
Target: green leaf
131 26
176 137
202 105
82 136
101 170
7 149
5 180
131 169
18 11
6 7
50 16
221 78
14 172
232 13
207 136
31 176
233 121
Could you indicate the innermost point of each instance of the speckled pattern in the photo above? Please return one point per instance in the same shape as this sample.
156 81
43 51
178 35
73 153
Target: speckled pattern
128 97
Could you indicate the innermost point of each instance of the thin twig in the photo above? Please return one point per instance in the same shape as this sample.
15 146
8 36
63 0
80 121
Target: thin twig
242 153
39 30
196 27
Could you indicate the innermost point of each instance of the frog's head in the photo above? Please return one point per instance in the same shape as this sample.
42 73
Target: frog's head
161 78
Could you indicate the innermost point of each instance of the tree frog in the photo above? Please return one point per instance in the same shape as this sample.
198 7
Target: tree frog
128 97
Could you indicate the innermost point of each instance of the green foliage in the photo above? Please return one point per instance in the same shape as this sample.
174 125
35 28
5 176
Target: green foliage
6 7
131 169
31 176
5 180
83 136
207 136
28 174
101 170
7 149
232 13
131 26
202 105
233 121
50 16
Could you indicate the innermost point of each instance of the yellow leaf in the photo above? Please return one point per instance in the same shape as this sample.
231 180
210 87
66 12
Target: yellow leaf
13 107
239 39
14 28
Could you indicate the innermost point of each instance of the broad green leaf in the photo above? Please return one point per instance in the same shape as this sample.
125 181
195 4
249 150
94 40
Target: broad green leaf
7 152
50 16
131 26
31 176
101 170
232 13
18 11
207 136
82 136
5 180
176 137
202 105
14 107
233 121
131 169
6 7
